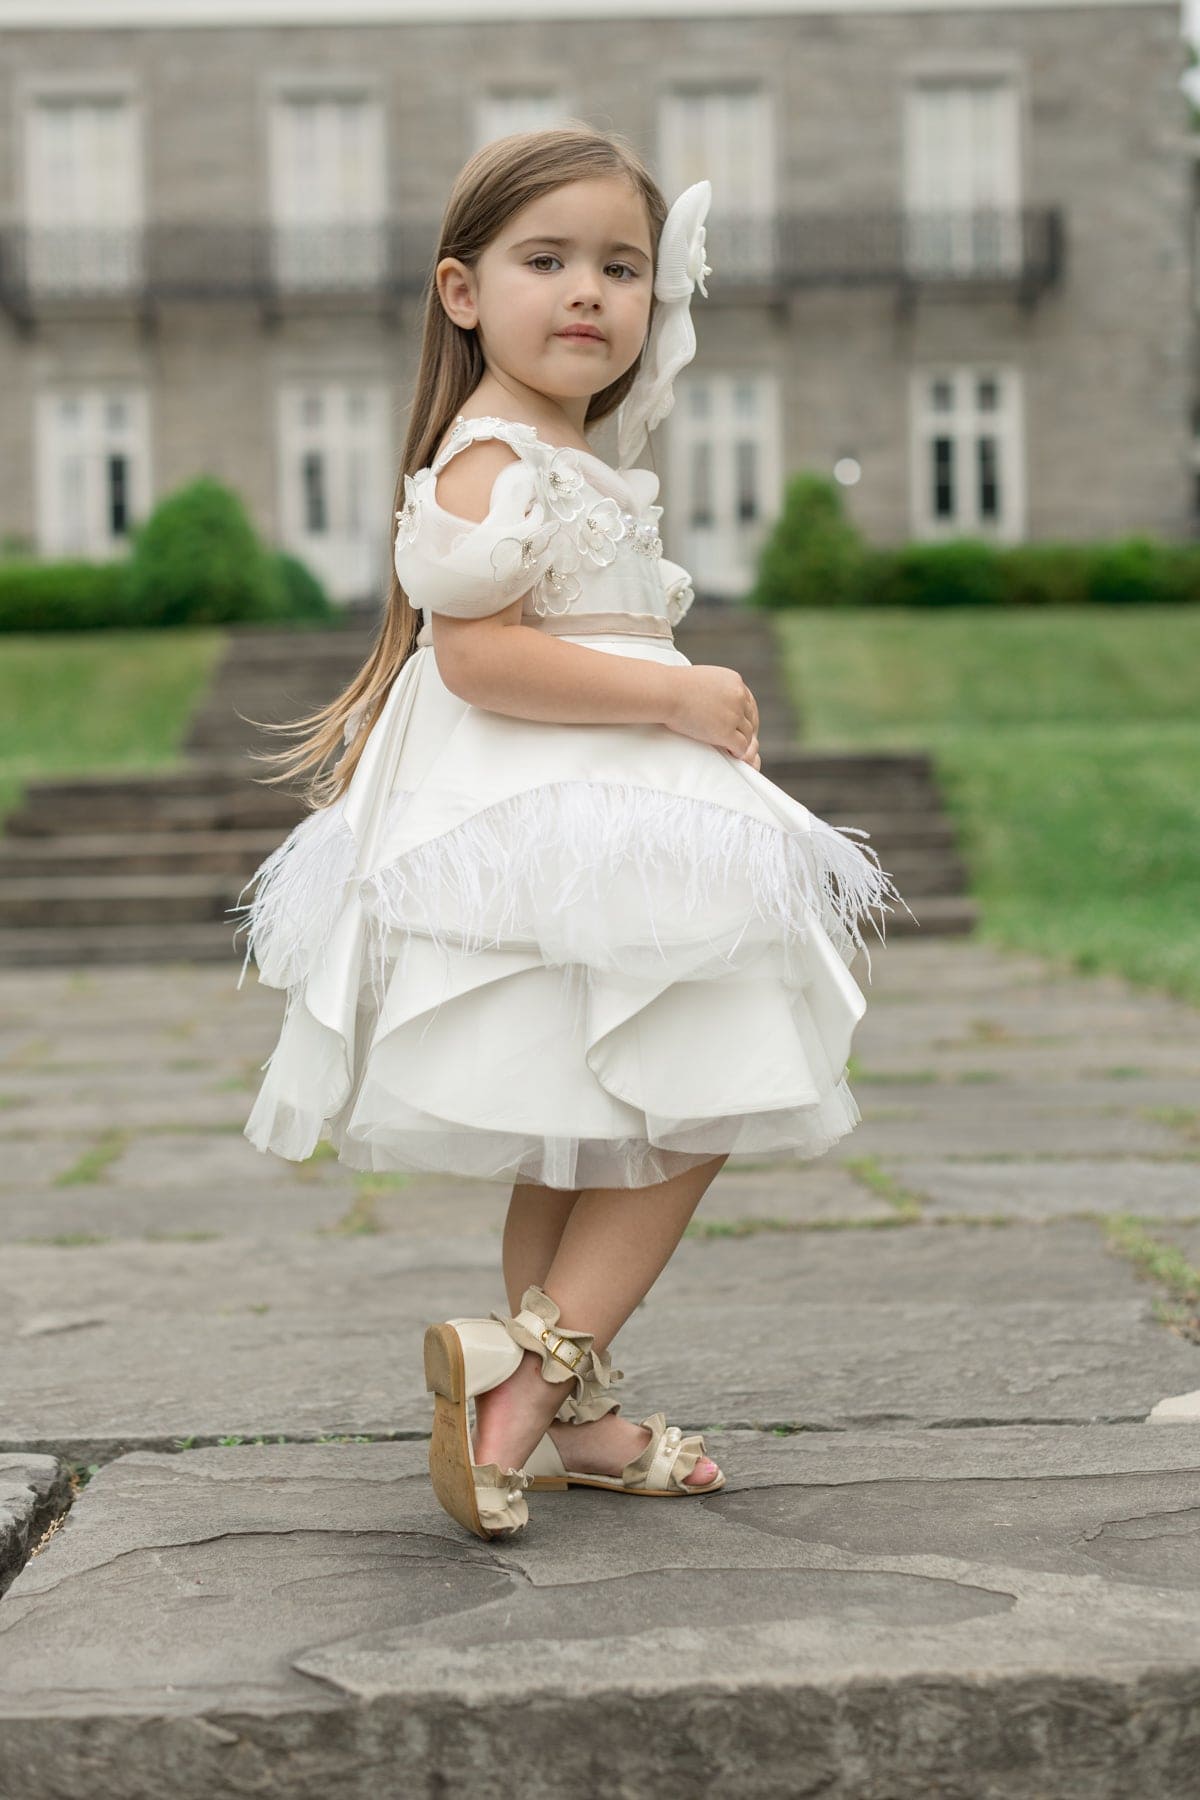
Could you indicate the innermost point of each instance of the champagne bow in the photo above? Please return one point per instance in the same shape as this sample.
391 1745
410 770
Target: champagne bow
672 340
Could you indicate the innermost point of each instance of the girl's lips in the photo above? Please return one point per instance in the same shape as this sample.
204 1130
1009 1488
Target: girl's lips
580 337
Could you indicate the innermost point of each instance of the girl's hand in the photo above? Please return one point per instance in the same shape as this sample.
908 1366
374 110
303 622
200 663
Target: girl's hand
715 706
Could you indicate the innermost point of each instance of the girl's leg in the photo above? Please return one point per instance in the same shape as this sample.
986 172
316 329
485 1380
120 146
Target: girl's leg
614 1244
532 1229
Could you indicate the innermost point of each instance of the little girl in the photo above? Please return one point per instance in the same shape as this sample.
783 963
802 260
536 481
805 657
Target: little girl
547 920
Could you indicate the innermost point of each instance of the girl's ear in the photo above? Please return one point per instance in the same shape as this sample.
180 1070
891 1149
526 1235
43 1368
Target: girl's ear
456 290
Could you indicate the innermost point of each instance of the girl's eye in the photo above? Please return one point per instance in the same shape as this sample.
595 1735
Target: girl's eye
548 256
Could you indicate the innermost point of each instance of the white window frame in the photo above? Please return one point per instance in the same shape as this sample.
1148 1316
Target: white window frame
350 557
530 106
342 246
965 424
696 143
963 220
90 253
78 525
722 553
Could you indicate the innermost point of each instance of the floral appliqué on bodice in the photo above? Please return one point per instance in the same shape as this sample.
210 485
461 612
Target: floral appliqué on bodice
585 529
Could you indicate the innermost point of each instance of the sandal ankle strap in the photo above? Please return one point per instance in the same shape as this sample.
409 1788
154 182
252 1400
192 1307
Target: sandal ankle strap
566 1355
591 1398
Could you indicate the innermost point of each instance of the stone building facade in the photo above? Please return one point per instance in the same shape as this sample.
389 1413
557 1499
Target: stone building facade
952 255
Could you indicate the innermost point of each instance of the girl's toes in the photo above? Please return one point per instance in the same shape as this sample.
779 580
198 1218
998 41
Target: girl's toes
704 1472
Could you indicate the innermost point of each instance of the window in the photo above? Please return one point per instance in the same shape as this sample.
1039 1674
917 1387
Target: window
723 443
83 194
336 478
962 186
967 453
704 128
91 461
328 191
501 113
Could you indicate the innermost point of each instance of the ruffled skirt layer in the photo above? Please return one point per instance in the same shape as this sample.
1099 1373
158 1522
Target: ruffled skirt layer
571 954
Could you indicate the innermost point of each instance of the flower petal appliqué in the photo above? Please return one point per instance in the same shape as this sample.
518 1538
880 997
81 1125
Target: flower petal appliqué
600 531
512 555
562 485
408 519
559 585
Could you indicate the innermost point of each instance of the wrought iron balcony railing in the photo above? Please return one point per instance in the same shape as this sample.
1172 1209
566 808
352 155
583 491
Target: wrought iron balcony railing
288 266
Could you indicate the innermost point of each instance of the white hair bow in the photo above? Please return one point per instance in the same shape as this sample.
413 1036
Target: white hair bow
672 340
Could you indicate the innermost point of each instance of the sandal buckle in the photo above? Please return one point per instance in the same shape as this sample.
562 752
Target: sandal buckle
580 1353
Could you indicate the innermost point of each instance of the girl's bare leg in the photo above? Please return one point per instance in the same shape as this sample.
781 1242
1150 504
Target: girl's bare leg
532 1229
613 1245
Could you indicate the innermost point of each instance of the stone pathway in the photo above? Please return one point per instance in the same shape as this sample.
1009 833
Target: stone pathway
959 1548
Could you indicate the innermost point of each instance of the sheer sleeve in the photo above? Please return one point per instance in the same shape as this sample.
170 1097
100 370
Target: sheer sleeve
450 565
677 588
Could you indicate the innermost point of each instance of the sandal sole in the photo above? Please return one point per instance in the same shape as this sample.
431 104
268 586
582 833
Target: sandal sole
450 1443
616 1487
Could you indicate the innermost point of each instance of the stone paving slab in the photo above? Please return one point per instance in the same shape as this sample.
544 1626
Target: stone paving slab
852 1615
903 1129
322 1197
113 1347
967 1118
1032 1189
33 1489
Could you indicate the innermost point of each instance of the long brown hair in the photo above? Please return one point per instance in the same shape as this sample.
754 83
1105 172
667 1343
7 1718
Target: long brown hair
497 182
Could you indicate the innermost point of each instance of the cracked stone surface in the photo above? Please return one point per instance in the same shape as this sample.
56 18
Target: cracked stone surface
257 1591
32 1489
964 1562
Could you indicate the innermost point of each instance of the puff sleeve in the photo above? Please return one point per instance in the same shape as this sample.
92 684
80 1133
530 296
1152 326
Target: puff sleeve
448 565
677 589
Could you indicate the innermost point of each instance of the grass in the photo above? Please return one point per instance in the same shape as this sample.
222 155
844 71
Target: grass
1067 745
86 701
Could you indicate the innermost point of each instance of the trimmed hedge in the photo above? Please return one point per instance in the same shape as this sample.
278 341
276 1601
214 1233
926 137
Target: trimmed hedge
815 556
196 560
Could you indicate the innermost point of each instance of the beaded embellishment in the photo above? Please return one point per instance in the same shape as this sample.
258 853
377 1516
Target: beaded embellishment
598 528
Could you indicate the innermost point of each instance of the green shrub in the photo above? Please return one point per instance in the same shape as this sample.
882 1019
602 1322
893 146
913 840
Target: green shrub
304 597
963 572
197 560
1139 569
63 596
814 555
1046 574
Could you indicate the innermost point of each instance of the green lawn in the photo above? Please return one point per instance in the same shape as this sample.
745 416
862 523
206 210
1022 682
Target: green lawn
1067 742
73 702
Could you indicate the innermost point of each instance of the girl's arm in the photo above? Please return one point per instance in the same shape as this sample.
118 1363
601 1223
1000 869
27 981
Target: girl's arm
506 667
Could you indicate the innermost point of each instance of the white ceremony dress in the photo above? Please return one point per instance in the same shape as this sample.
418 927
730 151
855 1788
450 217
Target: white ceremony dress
576 954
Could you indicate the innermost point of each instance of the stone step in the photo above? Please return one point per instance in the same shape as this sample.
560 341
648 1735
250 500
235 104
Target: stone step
89 852
126 898
210 937
883 1613
236 808
915 814
202 774
100 853
230 791
125 946
207 775
57 870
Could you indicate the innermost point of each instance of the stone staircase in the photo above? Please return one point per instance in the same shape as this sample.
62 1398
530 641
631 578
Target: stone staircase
144 867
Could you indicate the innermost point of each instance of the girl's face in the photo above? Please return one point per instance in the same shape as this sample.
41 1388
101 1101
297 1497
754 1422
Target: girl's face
580 256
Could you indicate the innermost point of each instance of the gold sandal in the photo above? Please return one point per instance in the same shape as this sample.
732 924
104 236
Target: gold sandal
464 1357
660 1467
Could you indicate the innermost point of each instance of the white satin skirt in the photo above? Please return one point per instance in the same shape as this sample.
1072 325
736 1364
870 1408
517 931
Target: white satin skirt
578 955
